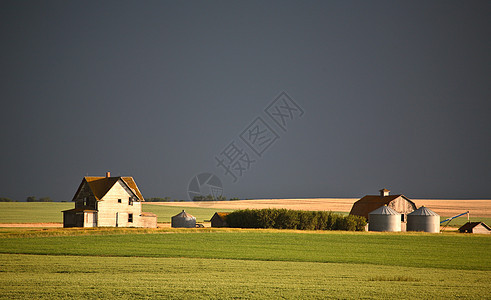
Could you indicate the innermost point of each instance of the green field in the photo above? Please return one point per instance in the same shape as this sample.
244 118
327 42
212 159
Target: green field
51 212
209 263
167 263
33 212
57 277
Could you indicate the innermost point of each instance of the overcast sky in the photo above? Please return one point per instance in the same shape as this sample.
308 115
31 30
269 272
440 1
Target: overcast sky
368 94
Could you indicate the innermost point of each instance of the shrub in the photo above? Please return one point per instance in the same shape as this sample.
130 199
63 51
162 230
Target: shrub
294 219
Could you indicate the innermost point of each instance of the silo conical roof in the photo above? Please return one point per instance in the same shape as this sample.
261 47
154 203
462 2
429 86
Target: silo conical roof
423 211
184 214
384 210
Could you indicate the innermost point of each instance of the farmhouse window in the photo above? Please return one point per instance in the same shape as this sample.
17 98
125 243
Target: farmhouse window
119 200
130 201
130 218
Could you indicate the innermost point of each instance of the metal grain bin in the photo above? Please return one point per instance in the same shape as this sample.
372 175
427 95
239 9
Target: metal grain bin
183 220
423 219
384 218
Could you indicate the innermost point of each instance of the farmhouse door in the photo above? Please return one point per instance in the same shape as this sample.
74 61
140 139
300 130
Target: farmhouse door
117 217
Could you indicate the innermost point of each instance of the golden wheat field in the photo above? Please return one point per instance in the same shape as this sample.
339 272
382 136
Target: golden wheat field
477 208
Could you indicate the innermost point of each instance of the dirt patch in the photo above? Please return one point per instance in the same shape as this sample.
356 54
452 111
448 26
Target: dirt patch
446 208
50 225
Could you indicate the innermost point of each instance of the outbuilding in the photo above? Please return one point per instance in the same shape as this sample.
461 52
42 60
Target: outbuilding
219 219
108 202
423 219
183 220
475 227
369 203
384 218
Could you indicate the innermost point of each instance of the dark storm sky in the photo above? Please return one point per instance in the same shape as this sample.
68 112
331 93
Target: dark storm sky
395 94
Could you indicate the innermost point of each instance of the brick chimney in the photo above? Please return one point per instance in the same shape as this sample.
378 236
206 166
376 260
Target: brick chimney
108 174
384 192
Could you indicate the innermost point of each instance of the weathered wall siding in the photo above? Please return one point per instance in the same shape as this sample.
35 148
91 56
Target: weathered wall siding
216 221
69 219
90 219
110 206
72 219
84 192
148 222
402 206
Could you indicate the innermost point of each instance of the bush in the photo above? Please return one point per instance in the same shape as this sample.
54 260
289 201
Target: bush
294 219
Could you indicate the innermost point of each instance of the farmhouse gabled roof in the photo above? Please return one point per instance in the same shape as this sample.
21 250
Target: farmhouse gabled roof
370 203
470 225
101 185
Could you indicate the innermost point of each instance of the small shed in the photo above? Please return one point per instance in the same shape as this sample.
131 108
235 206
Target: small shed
384 218
423 219
183 220
475 227
219 219
148 220
79 217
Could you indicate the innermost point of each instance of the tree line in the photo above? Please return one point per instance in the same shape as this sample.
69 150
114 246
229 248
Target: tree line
28 199
294 219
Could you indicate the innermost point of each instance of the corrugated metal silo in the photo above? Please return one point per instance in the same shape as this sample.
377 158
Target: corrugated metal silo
384 218
183 220
423 219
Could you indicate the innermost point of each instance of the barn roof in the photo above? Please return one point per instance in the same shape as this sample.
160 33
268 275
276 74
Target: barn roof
470 225
370 203
101 185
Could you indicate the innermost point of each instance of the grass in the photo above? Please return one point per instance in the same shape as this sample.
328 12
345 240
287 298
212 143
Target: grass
233 263
33 212
236 263
57 277
51 212
447 251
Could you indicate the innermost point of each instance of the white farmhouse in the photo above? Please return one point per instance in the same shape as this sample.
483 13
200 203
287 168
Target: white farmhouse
108 202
